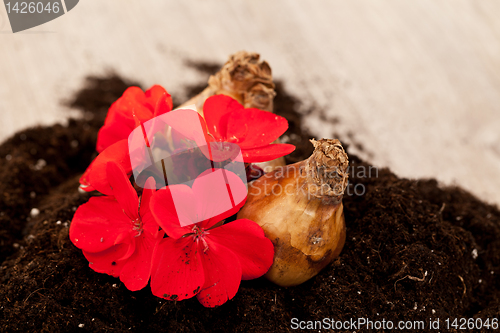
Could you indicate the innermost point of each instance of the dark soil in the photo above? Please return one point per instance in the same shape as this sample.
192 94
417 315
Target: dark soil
409 254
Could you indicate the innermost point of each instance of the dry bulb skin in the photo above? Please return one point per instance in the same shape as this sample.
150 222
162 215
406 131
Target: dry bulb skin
244 78
299 207
249 81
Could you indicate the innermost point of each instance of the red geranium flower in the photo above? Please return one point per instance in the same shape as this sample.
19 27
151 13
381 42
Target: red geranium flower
253 130
116 236
128 112
204 259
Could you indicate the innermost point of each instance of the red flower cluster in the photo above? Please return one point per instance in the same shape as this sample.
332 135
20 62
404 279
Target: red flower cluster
116 234
128 112
253 130
175 236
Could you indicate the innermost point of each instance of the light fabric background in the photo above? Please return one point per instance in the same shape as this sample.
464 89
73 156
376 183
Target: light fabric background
417 83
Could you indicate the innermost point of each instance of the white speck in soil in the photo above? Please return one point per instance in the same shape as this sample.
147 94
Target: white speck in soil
474 254
81 325
34 212
8 157
74 143
459 218
15 245
480 281
40 164
433 311
33 195
58 222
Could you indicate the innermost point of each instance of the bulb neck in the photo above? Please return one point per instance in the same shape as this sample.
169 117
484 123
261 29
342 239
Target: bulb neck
327 170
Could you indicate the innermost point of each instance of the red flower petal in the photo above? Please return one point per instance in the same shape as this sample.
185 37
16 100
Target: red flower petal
169 214
216 111
147 194
267 153
148 220
123 116
177 207
133 108
96 175
222 275
255 128
114 131
177 270
108 261
137 268
97 224
217 195
159 100
246 239
123 190
131 97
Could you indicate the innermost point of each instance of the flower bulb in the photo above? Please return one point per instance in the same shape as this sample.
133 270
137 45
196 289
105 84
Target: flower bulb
299 207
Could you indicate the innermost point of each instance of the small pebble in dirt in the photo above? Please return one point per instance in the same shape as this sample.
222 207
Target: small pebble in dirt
433 311
33 195
480 281
8 157
74 209
474 254
58 222
15 245
114 285
74 143
81 325
40 164
34 212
